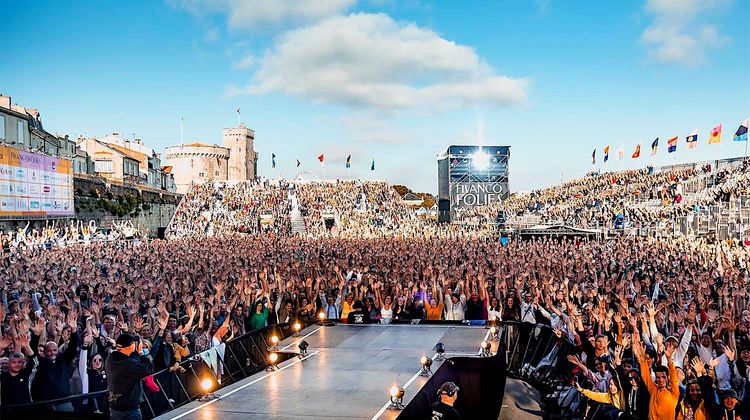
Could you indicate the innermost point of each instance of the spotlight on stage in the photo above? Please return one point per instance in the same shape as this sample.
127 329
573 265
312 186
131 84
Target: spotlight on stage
274 343
426 362
303 348
207 385
397 397
273 358
296 327
493 332
323 321
440 350
481 160
486 347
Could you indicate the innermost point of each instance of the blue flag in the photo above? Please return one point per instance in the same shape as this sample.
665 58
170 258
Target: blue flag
741 134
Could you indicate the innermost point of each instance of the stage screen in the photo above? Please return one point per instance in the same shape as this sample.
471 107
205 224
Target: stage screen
34 185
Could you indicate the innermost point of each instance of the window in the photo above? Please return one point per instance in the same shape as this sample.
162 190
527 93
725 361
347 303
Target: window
201 174
20 132
2 127
103 166
216 173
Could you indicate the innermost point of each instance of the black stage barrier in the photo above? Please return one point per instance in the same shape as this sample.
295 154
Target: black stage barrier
480 382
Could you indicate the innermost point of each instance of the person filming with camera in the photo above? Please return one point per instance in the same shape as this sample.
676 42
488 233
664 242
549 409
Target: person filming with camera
125 368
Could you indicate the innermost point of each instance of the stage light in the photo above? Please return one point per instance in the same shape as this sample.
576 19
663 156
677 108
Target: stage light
397 397
273 358
296 327
481 160
303 347
323 321
274 343
486 347
440 350
207 384
493 331
322 316
426 363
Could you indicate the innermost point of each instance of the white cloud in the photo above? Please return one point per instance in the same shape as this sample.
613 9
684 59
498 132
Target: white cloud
370 129
371 61
679 33
212 35
252 14
245 63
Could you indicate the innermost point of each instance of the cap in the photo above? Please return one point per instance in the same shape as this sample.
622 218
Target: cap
124 340
729 393
671 337
448 388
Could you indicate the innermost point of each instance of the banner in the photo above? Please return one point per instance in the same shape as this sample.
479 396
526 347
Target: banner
470 194
34 185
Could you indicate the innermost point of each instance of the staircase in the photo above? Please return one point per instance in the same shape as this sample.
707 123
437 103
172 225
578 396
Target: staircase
298 222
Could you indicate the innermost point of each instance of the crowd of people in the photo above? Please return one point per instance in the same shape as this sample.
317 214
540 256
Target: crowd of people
60 235
63 309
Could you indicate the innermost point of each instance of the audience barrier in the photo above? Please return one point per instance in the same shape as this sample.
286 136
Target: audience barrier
234 360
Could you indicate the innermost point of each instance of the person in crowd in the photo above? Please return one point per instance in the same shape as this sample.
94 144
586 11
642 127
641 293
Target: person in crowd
444 409
126 367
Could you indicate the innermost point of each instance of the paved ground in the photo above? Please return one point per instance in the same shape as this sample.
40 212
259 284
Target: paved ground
347 374
520 401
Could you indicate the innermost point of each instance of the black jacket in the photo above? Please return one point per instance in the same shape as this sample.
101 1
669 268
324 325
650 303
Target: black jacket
716 409
124 374
52 378
15 389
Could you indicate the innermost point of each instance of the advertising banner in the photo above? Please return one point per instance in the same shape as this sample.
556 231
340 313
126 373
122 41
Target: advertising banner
34 185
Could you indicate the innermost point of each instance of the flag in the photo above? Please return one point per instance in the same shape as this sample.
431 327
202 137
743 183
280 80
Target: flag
298 163
238 110
606 153
654 146
637 152
321 158
672 144
349 161
620 152
692 139
593 157
741 134
273 161
372 167
715 136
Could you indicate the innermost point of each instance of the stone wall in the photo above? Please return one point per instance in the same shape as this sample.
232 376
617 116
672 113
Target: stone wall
147 208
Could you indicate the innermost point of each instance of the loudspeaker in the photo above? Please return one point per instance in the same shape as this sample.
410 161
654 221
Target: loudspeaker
444 204
161 232
444 216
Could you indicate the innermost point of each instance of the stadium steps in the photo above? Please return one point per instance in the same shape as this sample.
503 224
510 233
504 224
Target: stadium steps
298 223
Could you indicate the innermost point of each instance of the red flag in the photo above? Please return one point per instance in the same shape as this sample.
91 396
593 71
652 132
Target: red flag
321 158
637 152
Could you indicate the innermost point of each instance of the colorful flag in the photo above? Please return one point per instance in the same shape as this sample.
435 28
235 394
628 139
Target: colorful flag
349 161
298 163
672 144
321 158
372 167
637 152
593 157
715 136
654 146
273 160
620 152
741 134
606 153
692 139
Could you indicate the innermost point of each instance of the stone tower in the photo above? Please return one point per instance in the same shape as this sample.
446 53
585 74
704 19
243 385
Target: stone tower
242 156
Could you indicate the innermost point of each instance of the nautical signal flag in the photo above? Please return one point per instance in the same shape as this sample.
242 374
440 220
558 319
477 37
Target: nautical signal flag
606 153
298 163
637 152
621 152
593 157
349 161
672 144
741 134
692 139
372 167
273 160
715 136
654 146
321 158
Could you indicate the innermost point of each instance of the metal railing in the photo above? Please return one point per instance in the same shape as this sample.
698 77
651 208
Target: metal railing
234 360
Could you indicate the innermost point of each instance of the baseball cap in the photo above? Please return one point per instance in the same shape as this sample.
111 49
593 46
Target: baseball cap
448 387
727 393
124 340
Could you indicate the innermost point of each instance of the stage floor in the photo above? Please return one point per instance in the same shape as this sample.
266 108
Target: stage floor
346 374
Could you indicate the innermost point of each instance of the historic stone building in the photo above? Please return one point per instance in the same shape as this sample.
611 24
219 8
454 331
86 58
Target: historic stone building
199 162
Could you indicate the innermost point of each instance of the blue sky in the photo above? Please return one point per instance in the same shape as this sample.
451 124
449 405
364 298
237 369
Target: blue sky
397 81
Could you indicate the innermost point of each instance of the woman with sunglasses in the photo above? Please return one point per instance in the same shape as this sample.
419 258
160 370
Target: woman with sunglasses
93 375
